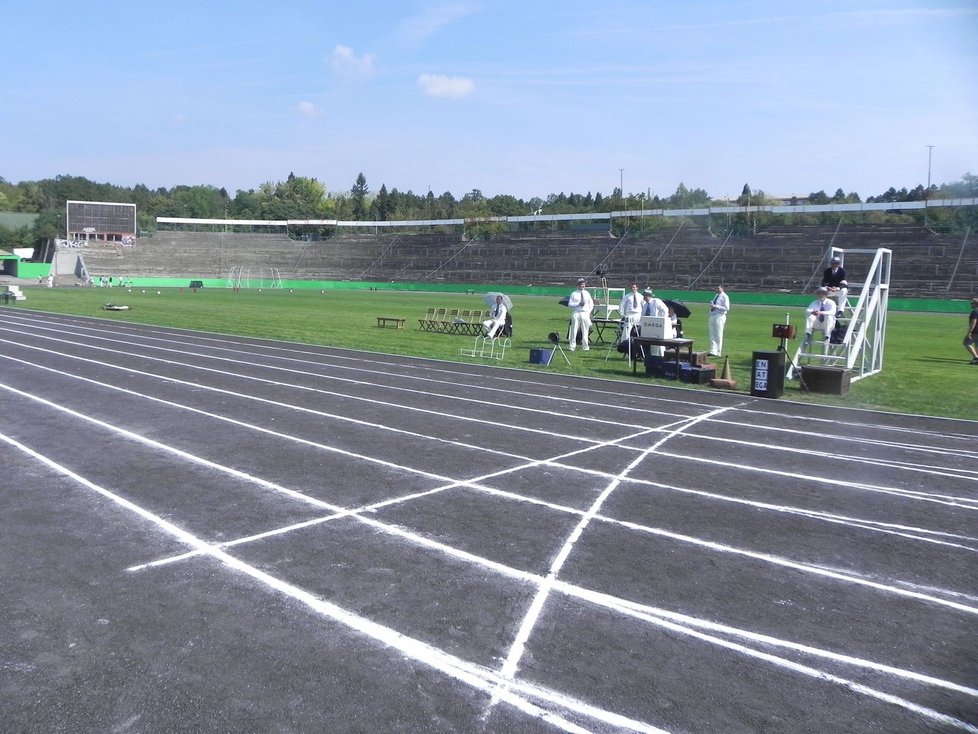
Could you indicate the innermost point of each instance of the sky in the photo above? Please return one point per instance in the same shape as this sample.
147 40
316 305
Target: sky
524 98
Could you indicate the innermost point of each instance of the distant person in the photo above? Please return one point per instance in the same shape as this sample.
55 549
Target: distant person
719 307
497 318
834 278
631 306
971 338
820 316
581 305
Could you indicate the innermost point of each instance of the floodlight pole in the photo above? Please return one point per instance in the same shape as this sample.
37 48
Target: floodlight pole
930 153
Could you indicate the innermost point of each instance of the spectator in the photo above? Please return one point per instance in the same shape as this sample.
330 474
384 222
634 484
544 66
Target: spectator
497 318
581 304
718 321
971 338
820 316
834 278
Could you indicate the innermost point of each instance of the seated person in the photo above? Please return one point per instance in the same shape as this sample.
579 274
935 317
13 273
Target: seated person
820 316
834 278
677 325
497 318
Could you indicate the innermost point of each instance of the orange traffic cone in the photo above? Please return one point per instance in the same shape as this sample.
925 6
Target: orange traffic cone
725 381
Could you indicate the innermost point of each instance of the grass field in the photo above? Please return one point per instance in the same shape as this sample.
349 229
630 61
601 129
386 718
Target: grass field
925 368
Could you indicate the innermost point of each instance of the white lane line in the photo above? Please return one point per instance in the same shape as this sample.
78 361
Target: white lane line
968 503
838 455
450 375
518 647
476 676
474 484
834 456
270 346
501 688
549 412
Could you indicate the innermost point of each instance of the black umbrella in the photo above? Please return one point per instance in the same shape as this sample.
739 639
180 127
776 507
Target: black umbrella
565 301
680 308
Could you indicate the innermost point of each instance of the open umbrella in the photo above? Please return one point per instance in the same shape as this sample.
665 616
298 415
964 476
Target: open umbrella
680 308
490 300
565 301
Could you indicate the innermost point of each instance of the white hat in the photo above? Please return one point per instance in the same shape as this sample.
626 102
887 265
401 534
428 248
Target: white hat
648 292
823 289
581 280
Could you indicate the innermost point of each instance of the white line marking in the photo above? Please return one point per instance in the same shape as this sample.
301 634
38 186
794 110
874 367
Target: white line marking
475 676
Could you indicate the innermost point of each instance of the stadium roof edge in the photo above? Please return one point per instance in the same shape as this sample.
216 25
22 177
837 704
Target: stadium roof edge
593 216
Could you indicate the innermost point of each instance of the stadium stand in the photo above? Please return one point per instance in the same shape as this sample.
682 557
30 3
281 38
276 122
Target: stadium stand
785 258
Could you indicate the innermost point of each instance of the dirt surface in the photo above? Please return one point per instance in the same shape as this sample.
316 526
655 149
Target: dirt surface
208 533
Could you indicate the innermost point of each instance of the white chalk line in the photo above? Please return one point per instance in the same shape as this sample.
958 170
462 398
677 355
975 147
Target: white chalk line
548 412
474 483
416 363
503 687
270 346
478 677
518 647
835 456
967 474
510 570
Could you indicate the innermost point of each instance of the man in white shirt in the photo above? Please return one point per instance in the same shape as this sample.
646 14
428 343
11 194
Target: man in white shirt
654 306
497 318
820 316
581 305
718 321
631 306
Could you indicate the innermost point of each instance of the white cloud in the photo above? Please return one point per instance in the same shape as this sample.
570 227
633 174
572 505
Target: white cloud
306 109
344 59
450 87
433 18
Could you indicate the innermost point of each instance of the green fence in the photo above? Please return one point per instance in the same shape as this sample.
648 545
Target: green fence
748 299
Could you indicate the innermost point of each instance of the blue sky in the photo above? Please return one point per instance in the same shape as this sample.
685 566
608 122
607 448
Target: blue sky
523 98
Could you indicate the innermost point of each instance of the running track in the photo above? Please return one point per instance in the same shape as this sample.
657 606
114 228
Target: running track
210 533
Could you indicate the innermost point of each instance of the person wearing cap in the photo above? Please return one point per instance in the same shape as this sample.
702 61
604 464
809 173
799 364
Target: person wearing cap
834 278
719 307
820 316
653 306
581 305
971 338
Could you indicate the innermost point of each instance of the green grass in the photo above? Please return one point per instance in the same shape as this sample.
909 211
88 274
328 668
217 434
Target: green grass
925 368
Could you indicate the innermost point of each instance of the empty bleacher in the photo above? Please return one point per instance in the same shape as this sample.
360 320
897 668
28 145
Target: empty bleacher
777 258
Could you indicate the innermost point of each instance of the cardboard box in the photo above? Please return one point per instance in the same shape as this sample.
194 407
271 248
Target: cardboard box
828 380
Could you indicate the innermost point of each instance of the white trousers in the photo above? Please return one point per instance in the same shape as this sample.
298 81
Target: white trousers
580 321
492 326
715 325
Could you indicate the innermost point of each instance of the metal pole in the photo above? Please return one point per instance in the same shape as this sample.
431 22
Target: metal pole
930 153
621 183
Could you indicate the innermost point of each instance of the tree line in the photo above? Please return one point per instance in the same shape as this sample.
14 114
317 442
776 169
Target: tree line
300 197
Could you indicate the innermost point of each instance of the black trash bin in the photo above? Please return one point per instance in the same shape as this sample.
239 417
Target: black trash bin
767 374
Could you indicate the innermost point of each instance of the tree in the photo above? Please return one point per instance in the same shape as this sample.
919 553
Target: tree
358 195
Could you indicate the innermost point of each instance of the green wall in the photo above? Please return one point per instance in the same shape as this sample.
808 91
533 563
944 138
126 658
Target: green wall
754 299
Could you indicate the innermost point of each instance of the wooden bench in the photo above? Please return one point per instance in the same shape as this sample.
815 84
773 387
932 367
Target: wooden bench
383 321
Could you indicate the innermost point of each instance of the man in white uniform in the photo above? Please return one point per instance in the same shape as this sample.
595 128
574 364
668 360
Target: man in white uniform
718 320
631 306
497 318
820 316
581 305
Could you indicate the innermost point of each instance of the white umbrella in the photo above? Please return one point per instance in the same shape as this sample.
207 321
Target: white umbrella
490 300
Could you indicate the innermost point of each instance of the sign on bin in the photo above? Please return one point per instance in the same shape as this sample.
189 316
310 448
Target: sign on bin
767 375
